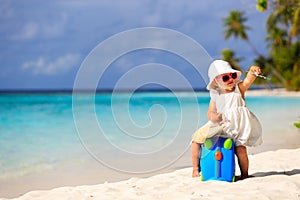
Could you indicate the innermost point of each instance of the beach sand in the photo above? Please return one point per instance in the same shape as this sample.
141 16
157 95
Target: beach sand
276 175
273 92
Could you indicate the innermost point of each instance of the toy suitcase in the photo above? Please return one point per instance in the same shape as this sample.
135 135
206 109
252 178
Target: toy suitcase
217 159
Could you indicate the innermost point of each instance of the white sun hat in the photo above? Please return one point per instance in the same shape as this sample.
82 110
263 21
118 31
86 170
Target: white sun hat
217 68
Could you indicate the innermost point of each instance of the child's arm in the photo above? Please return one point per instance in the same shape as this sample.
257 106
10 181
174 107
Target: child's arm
250 78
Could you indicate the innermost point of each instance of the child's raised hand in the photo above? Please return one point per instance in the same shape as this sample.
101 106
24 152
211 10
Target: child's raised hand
255 70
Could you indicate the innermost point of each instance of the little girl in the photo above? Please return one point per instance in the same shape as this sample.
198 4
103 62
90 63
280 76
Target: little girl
228 115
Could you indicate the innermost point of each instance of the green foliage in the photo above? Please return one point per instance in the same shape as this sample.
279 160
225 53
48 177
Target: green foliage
282 62
297 124
262 5
234 25
283 29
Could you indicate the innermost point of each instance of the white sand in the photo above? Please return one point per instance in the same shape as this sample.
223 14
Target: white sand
276 176
273 92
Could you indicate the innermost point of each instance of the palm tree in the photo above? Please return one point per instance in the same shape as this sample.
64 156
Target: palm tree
283 27
277 38
286 13
287 59
280 15
295 29
234 26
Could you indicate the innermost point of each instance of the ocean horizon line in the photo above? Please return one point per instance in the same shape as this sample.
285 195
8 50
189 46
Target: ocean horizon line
46 91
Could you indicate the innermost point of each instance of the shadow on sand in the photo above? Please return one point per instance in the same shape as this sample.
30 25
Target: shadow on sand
288 173
272 173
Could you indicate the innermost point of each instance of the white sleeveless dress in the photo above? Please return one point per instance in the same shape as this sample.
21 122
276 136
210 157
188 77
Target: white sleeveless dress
243 126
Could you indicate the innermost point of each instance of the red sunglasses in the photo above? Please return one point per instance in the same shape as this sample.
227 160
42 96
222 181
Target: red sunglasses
226 77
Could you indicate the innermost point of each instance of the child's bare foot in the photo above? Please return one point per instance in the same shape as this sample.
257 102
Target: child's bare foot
244 176
195 173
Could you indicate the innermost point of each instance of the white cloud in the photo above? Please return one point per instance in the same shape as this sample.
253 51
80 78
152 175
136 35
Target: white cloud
58 66
45 29
29 31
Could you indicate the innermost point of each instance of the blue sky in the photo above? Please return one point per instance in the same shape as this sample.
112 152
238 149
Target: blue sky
43 43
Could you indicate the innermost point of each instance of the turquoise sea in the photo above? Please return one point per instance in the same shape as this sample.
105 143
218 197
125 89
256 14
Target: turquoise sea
90 138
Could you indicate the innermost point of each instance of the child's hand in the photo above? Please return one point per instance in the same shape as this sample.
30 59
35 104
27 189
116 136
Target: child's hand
216 117
255 70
